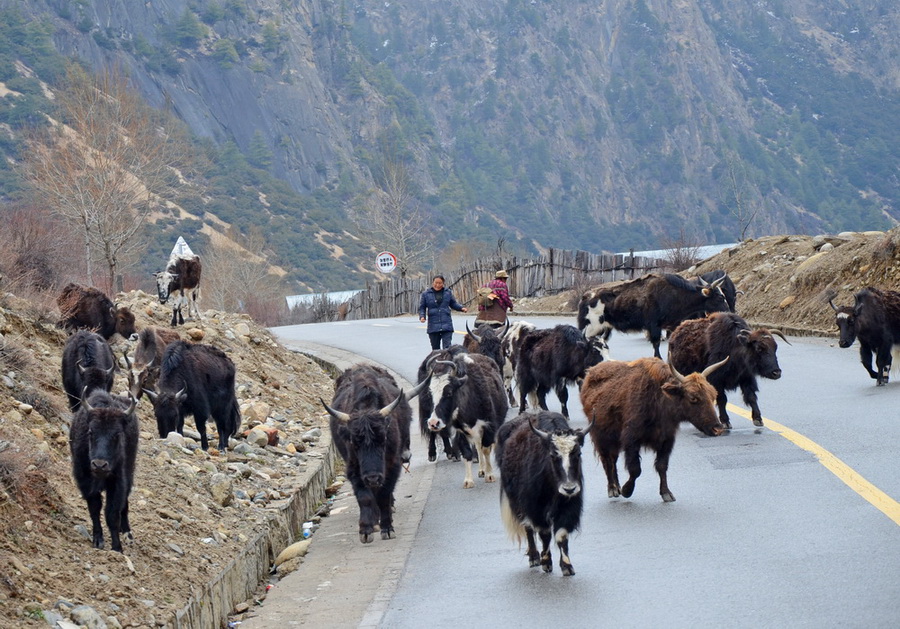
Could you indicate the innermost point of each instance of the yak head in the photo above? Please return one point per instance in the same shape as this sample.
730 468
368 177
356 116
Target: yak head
761 347
445 378
696 398
367 433
845 317
164 281
107 423
564 450
168 410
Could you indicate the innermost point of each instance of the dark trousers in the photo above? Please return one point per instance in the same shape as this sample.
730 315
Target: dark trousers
441 338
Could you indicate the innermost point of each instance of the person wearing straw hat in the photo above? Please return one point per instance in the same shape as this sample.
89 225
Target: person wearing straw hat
495 311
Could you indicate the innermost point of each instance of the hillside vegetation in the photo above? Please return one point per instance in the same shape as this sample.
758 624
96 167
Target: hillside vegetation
573 125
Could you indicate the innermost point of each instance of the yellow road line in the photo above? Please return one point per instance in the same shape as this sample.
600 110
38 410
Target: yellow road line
876 497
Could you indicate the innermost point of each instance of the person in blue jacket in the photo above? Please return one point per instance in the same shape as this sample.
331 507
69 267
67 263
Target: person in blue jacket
435 305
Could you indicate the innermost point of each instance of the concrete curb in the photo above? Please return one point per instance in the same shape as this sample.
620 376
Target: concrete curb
241 578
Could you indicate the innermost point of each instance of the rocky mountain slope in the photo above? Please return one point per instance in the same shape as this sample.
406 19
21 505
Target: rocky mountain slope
576 125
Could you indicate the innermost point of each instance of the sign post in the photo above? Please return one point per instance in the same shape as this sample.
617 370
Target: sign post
385 262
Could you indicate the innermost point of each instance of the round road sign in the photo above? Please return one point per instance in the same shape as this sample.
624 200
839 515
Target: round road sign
385 262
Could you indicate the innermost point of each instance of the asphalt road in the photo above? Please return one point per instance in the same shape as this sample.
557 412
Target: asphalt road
792 525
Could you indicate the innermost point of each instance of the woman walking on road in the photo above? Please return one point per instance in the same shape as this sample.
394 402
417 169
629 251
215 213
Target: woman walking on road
435 305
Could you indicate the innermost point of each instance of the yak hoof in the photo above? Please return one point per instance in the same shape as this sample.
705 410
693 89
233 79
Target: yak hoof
758 422
567 569
366 538
468 484
613 492
546 564
628 489
432 457
480 473
387 534
668 497
490 478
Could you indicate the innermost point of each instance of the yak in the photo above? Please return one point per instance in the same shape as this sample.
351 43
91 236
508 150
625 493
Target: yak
468 395
751 353
103 440
874 319
88 365
541 483
85 307
653 303
196 380
368 413
640 404
180 281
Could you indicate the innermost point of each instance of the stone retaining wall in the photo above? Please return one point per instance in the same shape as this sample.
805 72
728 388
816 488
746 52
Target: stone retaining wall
209 607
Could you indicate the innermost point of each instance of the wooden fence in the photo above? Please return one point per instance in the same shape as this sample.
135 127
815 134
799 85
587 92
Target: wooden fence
554 272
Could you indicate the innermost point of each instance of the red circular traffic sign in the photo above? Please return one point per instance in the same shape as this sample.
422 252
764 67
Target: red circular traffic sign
385 262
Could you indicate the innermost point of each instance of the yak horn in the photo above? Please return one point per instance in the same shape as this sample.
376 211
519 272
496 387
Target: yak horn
416 390
338 415
831 303
448 362
675 372
472 334
131 406
153 395
81 368
781 334
713 367
387 410
84 399
535 430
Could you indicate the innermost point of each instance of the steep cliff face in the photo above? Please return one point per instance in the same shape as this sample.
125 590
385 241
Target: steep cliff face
276 93
577 124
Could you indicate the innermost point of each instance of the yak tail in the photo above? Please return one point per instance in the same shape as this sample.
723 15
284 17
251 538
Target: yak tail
235 416
513 525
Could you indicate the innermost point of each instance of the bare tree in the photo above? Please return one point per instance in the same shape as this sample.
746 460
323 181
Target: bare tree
740 208
236 276
105 164
681 252
391 218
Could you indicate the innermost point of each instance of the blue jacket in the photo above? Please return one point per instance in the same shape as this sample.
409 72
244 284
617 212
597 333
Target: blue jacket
438 315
